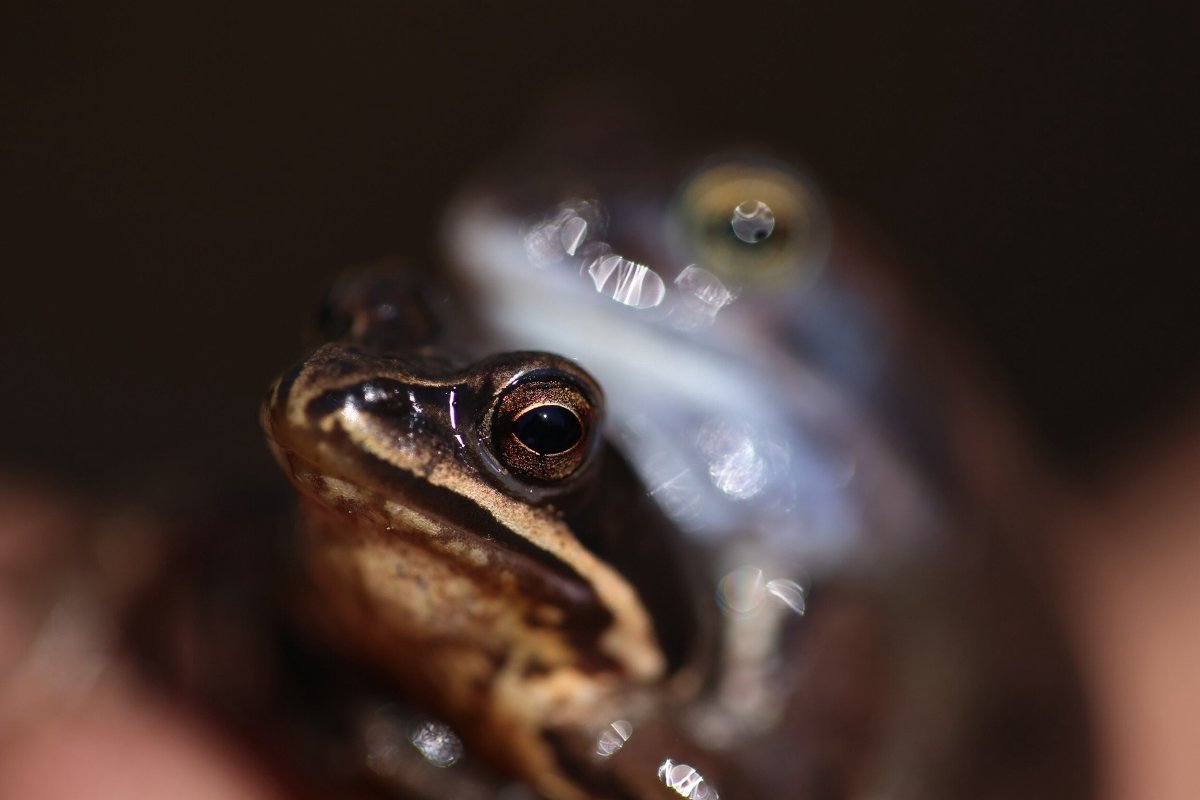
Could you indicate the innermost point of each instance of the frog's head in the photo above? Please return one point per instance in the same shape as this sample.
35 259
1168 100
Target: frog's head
524 425
474 514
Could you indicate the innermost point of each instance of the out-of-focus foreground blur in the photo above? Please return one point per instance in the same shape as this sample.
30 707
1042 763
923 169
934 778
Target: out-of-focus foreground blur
179 185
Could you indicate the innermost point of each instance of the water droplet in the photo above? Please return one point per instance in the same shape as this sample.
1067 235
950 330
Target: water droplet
701 296
739 473
734 463
437 742
752 221
741 592
613 738
627 281
572 232
686 781
789 592
559 235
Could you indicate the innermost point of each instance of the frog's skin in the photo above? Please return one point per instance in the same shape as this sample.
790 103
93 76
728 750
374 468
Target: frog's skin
525 598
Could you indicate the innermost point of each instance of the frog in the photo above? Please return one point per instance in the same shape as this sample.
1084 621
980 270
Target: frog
753 379
616 512
469 528
494 510
676 391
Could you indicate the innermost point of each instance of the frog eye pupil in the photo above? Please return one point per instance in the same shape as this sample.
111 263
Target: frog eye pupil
548 429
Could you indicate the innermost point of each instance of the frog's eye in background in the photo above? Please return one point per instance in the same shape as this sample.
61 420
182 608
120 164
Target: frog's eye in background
752 223
542 427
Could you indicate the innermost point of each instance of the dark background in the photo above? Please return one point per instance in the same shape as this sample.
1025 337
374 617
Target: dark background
179 183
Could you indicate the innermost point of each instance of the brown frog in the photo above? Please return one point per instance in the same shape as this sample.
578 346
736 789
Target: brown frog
468 528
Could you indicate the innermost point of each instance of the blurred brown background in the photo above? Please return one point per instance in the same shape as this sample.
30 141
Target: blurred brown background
180 182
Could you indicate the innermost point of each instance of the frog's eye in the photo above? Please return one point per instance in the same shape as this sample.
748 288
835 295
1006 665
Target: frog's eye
752 223
543 427
549 429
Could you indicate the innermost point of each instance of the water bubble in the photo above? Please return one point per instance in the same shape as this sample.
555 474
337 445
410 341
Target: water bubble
559 234
752 221
739 473
789 592
571 233
627 281
686 781
734 463
741 592
701 296
437 742
613 738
